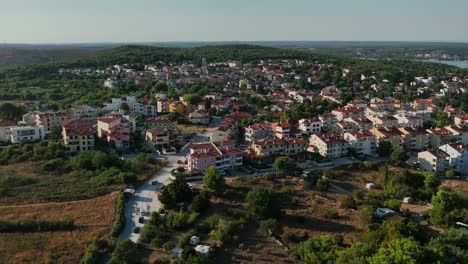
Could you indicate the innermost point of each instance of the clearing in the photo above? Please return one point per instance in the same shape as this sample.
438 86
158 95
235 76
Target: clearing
93 219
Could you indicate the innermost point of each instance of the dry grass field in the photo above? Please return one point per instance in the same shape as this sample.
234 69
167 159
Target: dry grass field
93 219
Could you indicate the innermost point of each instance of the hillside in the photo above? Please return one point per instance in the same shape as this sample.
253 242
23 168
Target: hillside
14 57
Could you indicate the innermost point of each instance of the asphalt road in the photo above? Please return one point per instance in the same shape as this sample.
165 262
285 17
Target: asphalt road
145 197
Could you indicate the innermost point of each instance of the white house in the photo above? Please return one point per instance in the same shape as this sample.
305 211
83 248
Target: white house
457 157
310 126
363 142
26 133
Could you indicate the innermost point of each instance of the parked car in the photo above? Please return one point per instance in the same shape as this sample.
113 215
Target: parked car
141 219
155 183
136 230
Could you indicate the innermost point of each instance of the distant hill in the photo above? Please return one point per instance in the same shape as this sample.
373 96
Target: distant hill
13 57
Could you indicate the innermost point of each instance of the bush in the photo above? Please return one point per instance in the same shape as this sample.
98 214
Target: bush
270 176
393 204
270 224
370 165
125 252
168 246
331 214
200 202
36 226
348 202
156 242
177 220
262 202
119 221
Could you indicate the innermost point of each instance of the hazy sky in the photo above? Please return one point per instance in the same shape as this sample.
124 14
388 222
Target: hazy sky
79 21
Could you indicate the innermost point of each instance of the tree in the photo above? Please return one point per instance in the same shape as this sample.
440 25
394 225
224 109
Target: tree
384 149
399 251
262 202
450 246
125 107
175 192
447 208
442 119
356 254
214 182
11 112
281 164
55 133
192 99
125 252
160 87
399 156
317 250
286 166
449 173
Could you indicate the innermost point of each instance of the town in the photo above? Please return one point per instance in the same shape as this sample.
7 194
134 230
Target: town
183 143
259 122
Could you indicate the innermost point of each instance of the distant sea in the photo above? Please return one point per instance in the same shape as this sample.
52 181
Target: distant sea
458 63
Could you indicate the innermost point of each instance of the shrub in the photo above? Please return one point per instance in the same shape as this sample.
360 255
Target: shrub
36 226
156 242
393 204
262 202
125 252
348 202
331 214
177 220
269 176
270 224
119 221
168 246
200 202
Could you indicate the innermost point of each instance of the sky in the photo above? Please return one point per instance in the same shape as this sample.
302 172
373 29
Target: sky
89 21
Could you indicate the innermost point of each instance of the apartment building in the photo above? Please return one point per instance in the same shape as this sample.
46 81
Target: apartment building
363 142
257 132
329 145
78 135
310 126
222 155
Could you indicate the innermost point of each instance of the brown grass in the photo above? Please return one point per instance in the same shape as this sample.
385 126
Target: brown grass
93 219
456 185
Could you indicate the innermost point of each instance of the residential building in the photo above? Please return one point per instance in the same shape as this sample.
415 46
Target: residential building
159 122
199 117
179 107
26 134
434 160
439 137
328 121
362 142
457 157
385 121
160 138
78 135
84 111
5 130
328 145
414 139
392 135
310 126
222 155
461 120
266 150
257 132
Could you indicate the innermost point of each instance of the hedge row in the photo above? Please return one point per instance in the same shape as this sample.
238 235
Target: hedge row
119 221
36 226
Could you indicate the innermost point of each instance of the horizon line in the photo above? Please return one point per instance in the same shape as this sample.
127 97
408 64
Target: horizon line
228 41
